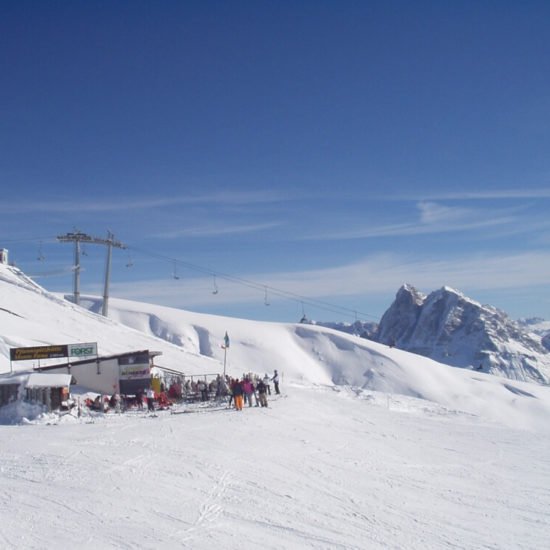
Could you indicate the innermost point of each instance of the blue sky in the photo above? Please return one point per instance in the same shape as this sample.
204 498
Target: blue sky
311 155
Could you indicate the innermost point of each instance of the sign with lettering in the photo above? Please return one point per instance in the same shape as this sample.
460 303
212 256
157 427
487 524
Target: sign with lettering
53 352
82 350
38 352
129 372
134 366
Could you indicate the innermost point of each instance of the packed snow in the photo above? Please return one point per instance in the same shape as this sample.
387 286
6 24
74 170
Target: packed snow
367 447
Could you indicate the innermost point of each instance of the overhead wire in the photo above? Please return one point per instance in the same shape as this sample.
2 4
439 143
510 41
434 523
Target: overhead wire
261 287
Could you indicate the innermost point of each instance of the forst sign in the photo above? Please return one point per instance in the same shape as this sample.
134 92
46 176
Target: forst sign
82 350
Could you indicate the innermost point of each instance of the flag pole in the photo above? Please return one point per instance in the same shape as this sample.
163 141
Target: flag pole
225 346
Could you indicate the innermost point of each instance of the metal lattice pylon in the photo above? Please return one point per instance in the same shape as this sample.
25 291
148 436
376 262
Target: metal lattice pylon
78 237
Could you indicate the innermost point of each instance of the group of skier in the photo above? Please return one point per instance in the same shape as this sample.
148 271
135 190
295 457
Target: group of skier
249 388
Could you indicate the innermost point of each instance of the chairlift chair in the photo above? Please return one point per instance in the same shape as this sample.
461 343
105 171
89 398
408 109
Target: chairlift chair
41 256
175 273
215 289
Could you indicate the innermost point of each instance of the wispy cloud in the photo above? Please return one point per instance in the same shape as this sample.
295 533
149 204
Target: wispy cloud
216 229
432 217
117 204
503 194
387 272
465 195
435 213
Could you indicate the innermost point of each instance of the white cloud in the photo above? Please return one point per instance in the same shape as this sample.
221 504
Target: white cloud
520 192
111 205
432 218
216 229
432 213
497 194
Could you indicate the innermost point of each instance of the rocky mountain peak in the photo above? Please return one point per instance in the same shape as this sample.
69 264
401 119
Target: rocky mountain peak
449 327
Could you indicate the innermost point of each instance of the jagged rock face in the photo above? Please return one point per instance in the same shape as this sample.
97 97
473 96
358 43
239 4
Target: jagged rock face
399 321
448 327
539 327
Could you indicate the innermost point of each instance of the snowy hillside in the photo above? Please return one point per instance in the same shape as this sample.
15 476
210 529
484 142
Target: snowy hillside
310 354
318 469
31 316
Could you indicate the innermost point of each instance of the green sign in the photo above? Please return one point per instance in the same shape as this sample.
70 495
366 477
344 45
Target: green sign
82 350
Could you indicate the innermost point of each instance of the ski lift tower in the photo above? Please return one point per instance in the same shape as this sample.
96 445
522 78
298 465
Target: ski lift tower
78 237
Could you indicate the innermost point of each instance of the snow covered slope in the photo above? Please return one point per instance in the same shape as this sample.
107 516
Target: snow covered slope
31 316
319 469
310 354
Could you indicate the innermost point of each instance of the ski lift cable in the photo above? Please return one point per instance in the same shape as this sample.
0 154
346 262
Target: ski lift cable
52 273
31 240
312 302
319 304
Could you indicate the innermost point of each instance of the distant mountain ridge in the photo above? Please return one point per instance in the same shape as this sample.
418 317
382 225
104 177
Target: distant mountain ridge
363 329
538 326
451 328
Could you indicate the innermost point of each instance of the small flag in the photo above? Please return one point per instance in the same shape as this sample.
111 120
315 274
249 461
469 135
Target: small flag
226 340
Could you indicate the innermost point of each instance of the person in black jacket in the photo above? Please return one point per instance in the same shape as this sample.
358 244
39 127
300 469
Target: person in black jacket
238 393
275 380
262 393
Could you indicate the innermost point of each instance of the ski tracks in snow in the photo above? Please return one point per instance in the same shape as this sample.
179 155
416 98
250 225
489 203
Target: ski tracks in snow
210 509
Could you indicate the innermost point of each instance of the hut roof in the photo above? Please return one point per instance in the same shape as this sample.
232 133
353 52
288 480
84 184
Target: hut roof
46 380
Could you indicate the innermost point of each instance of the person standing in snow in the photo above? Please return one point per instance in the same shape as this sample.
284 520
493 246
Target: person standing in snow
275 380
116 399
203 389
151 399
230 392
262 391
221 387
238 395
254 383
267 381
248 391
139 399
